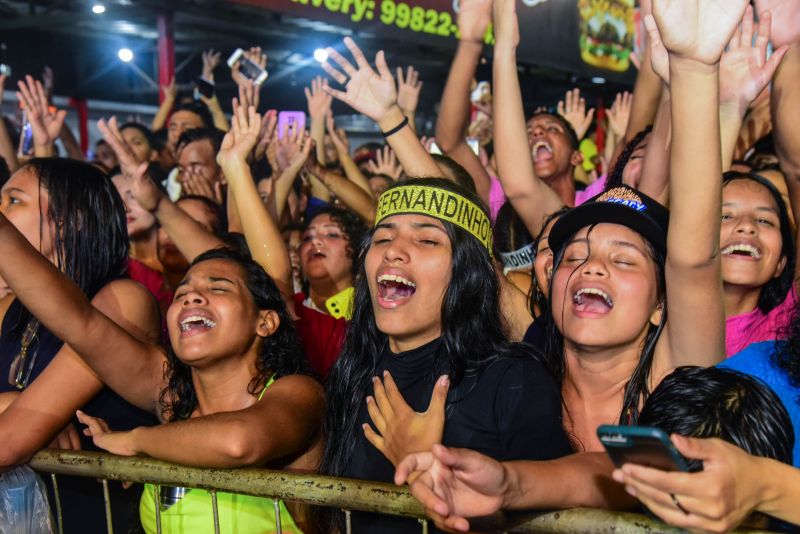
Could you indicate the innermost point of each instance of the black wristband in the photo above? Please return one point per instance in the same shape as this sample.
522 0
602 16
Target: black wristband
396 129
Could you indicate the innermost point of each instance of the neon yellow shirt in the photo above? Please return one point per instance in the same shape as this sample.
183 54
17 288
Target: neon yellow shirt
238 514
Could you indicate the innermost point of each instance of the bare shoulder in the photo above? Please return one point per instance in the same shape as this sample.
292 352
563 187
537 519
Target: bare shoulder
297 385
132 307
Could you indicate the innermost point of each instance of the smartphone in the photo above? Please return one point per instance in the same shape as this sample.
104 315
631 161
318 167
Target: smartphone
248 68
203 87
643 445
26 137
287 118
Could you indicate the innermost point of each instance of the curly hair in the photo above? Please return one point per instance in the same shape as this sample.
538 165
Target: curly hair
280 354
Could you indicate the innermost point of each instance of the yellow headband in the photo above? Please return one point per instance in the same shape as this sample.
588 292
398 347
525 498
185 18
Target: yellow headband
440 204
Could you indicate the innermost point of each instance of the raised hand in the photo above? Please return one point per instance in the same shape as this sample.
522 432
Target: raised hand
319 101
239 142
474 17
46 122
408 89
506 24
697 30
170 91
401 430
453 484
619 113
786 20
249 95
339 137
744 69
210 61
368 92
385 163
120 443
256 56
265 137
287 147
126 157
574 111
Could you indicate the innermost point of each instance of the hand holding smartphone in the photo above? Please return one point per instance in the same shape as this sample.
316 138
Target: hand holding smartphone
642 445
249 69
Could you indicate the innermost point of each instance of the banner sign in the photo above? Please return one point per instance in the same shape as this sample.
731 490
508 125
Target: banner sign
570 35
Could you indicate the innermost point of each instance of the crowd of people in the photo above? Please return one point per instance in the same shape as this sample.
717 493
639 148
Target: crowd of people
458 312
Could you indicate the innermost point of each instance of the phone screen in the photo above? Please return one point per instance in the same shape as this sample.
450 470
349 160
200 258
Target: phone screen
203 87
646 446
287 118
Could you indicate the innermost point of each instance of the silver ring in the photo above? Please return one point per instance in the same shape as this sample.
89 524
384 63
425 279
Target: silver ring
678 504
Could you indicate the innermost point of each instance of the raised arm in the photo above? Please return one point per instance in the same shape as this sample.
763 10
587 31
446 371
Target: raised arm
170 93
355 198
319 107
130 366
374 94
342 146
191 238
744 72
474 18
785 101
646 90
261 232
285 422
408 89
43 415
7 151
532 199
694 33
45 122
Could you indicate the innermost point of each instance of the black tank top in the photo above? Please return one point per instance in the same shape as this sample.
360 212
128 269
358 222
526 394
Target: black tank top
81 498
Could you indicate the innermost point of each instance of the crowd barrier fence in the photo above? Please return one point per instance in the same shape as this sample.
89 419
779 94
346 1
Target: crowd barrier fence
346 494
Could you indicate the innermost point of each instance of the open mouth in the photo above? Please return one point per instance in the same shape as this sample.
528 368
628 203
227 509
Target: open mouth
592 300
541 150
394 289
742 250
196 324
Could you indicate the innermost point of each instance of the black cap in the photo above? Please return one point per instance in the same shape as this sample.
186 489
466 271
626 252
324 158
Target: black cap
620 205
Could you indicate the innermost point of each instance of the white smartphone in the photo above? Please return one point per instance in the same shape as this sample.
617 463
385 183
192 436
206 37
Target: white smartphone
248 68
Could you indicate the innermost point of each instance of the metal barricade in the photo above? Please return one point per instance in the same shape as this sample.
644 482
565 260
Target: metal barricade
346 494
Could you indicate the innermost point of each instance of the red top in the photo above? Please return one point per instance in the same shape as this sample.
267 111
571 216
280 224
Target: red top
321 334
153 281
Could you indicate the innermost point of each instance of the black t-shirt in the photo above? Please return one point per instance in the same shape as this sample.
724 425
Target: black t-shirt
510 411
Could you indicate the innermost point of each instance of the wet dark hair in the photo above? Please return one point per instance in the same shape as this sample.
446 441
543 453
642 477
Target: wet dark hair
536 297
715 402
615 176
773 292
352 226
460 174
144 130
280 354
510 232
574 142
91 238
212 135
213 207
472 337
636 390
198 108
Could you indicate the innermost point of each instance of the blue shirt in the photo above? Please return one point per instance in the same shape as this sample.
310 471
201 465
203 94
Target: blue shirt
755 361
